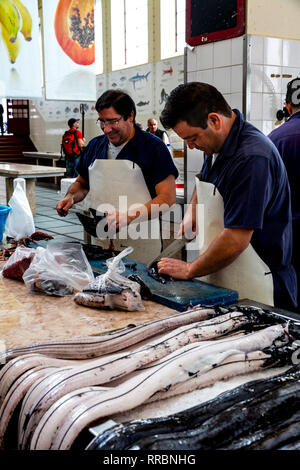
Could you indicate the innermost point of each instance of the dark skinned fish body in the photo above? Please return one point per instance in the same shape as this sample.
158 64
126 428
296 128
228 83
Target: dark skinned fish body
124 436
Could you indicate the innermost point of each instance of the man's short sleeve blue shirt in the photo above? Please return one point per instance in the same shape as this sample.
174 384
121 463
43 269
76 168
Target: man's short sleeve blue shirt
252 180
144 149
287 140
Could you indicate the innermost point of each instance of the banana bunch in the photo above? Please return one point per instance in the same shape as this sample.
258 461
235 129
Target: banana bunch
14 18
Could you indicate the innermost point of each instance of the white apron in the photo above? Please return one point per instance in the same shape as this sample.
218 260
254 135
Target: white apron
247 274
121 184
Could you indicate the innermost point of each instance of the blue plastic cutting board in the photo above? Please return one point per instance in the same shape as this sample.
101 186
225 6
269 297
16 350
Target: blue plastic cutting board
175 294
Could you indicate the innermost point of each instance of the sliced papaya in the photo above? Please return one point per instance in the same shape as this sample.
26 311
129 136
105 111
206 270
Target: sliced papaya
75 30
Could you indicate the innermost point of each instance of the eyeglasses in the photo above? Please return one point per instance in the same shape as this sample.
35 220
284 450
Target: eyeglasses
110 122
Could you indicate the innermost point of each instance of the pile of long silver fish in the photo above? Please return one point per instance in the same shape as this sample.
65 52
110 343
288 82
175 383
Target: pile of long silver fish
55 390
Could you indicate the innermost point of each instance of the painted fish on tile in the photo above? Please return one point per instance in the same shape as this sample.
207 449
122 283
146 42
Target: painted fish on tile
114 84
138 77
142 103
170 71
163 96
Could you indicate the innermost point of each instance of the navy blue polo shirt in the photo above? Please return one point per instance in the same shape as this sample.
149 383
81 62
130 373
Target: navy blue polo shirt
252 180
145 149
287 140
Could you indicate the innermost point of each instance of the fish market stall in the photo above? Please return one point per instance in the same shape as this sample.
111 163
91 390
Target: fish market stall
71 372
26 318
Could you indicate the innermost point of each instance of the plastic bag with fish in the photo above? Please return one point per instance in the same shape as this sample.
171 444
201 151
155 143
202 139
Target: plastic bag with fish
112 290
18 262
58 270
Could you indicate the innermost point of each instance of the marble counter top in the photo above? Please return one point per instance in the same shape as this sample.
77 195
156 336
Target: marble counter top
50 155
26 318
25 170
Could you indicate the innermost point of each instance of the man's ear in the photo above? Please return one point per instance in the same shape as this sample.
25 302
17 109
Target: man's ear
214 121
131 117
289 108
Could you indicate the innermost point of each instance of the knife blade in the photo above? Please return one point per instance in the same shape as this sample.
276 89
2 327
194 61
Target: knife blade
90 223
173 248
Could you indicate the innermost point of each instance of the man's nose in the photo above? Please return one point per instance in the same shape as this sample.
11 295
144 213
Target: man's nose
191 145
106 127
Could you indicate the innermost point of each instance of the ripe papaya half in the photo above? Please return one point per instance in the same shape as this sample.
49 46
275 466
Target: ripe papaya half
75 30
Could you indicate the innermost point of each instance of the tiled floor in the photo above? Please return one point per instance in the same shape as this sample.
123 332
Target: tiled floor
47 220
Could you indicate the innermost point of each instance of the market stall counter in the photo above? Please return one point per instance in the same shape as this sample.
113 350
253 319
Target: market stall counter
26 318
67 369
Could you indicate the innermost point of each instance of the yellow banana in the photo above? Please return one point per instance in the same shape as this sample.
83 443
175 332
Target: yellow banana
13 48
10 19
26 19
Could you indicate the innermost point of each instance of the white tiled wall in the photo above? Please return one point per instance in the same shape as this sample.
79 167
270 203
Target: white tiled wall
46 134
47 124
273 63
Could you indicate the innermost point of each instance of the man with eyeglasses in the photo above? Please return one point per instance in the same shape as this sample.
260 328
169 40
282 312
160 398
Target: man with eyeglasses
124 162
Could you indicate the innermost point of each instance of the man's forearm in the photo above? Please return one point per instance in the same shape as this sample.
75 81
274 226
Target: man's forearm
194 199
166 197
151 209
77 191
159 205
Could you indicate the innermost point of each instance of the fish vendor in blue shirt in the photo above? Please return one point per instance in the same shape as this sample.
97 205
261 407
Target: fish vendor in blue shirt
123 161
287 140
244 194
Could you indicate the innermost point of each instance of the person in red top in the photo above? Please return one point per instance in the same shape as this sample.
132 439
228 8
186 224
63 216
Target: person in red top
71 161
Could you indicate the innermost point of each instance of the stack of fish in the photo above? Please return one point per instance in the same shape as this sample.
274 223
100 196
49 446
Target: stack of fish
262 414
59 385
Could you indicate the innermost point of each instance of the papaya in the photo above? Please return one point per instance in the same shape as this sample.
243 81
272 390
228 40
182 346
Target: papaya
75 30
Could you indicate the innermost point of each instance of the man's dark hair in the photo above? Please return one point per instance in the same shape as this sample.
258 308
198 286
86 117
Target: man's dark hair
72 121
192 102
293 93
119 100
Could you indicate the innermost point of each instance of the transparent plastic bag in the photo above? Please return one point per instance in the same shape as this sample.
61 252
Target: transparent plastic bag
59 269
19 222
111 289
18 262
113 280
